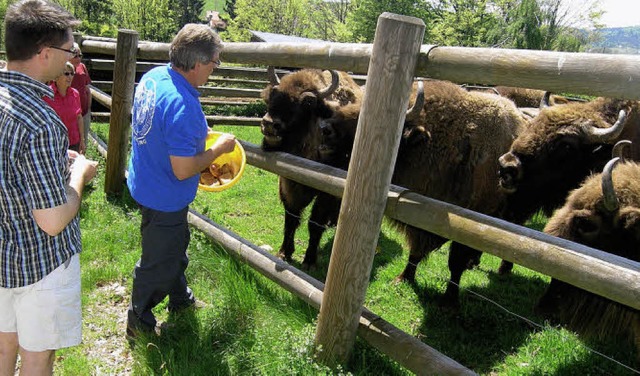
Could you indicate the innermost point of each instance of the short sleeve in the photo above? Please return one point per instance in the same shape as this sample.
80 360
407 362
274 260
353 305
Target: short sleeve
183 130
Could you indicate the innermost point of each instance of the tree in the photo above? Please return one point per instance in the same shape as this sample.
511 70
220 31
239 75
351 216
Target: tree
152 19
363 19
463 23
317 19
187 11
230 8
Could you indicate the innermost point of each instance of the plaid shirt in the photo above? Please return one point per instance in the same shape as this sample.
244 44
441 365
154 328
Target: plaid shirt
34 171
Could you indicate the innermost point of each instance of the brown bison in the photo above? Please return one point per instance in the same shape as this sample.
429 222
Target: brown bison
603 213
558 149
524 97
295 105
465 132
448 150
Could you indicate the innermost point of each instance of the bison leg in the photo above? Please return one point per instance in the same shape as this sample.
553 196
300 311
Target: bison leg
461 258
295 198
324 213
505 267
421 243
554 299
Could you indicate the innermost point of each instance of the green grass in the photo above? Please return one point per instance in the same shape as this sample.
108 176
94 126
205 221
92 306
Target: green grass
253 327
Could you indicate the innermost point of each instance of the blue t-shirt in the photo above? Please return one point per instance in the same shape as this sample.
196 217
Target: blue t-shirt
167 120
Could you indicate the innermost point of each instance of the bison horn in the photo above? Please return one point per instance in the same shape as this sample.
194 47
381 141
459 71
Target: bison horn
335 79
544 102
619 148
273 77
414 111
596 135
610 200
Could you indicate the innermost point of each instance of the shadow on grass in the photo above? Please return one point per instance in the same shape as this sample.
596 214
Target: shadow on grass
386 251
481 332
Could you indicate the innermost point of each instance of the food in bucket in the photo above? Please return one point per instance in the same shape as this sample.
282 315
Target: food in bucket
217 175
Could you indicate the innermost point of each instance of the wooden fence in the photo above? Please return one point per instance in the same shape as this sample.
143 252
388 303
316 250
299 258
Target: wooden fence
608 275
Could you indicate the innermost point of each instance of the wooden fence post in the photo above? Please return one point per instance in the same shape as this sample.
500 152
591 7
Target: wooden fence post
124 73
395 53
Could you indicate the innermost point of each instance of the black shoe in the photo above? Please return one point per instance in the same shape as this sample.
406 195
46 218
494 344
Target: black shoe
135 331
195 305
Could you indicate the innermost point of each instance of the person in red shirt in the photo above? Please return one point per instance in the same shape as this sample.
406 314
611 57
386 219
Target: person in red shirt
81 82
66 103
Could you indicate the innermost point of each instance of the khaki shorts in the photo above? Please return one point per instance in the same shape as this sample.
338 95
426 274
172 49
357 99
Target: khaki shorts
47 314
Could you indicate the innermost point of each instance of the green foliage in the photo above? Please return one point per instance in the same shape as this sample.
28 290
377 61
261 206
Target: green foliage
464 23
230 8
154 20
314 19
187 11
362 20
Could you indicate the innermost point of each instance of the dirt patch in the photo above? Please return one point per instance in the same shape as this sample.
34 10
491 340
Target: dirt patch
103 336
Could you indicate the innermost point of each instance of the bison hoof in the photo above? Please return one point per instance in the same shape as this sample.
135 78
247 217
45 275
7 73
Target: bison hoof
310 267
284 257
402 278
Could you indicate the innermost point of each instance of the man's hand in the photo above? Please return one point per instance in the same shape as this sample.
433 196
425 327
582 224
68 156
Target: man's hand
82 167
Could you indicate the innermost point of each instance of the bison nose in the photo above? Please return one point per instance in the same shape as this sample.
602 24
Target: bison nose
327 129
510 171
268 126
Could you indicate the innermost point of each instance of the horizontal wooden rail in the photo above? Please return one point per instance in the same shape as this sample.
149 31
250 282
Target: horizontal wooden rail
228 102
608 275
581 73
204 90
211 120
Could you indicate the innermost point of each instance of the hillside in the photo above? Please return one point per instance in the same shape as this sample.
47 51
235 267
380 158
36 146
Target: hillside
618 40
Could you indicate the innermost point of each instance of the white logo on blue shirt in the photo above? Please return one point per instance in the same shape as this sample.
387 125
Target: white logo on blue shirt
144 108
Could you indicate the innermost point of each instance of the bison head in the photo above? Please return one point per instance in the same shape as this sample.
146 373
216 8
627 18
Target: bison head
604 213
294 104
556 151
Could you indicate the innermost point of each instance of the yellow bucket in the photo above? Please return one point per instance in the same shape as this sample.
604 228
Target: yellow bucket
237 160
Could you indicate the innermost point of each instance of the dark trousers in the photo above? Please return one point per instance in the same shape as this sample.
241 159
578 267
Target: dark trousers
160 270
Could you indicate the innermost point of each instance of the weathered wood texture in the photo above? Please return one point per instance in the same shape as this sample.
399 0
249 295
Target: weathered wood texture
122 102
580 73
395 50
231 92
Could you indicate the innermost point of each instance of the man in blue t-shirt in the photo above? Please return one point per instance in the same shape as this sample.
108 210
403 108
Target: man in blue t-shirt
168 140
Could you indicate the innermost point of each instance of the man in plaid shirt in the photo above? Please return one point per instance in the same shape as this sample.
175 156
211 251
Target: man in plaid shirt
40 193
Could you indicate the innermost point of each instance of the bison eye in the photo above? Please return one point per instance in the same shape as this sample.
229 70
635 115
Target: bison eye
587 227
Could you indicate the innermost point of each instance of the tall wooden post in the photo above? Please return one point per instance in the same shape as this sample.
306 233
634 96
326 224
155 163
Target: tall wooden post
395 52
124 74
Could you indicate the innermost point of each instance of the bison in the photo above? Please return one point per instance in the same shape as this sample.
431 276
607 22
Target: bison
603 213
295 105
558 149
465 132
449 150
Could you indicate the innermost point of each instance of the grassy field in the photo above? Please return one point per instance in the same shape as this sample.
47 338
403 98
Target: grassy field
253 327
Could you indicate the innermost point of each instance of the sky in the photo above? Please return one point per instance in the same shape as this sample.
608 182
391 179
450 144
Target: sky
620 13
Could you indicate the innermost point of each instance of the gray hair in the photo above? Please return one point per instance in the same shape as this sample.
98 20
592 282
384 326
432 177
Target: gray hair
194 43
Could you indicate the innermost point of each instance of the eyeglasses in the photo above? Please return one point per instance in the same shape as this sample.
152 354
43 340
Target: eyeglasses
69 74
72 51
217 62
